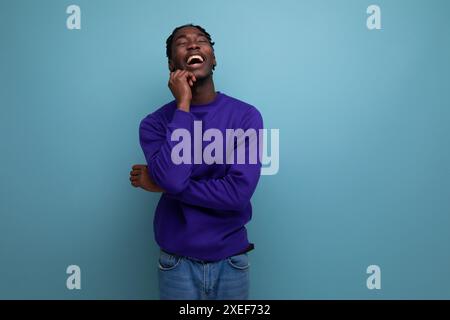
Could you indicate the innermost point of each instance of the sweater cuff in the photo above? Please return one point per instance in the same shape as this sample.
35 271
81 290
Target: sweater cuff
182 119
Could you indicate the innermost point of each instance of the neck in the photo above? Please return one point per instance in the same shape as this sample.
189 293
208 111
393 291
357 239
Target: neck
203 91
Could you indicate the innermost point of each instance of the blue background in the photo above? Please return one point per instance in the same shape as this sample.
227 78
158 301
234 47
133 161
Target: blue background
364 143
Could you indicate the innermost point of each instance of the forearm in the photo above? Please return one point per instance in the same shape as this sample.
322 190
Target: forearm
232 192
158 153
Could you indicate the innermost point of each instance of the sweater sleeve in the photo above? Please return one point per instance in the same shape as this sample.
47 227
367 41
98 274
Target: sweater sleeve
155 140
234 190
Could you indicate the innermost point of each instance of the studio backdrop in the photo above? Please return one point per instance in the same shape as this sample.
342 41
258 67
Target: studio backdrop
356 92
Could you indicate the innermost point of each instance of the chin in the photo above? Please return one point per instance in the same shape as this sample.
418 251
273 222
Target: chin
202 74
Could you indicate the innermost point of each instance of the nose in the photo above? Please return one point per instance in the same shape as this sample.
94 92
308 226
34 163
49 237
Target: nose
192 45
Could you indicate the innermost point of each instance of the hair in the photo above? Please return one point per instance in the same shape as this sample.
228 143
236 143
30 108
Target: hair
170 38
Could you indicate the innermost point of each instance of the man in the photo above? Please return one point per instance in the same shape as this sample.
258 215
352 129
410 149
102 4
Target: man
200 219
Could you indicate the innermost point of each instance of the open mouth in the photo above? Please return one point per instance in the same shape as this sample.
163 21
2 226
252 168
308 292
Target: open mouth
195 60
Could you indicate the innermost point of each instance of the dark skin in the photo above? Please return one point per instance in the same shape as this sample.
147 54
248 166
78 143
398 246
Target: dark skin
189 84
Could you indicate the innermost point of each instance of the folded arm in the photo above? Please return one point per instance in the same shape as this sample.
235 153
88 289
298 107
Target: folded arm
157 146
234 190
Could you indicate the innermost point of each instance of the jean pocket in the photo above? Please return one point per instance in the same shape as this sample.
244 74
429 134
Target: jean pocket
240 261
168 261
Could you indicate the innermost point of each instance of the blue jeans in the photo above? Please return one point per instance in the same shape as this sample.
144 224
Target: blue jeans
185 278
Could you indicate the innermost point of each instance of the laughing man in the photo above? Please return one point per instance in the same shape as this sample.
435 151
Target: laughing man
200 219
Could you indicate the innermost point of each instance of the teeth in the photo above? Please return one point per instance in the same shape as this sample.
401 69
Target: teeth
194 56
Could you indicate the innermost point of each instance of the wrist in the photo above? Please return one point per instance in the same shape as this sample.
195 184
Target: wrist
183 106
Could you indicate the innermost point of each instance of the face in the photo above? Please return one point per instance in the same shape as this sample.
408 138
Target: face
191 51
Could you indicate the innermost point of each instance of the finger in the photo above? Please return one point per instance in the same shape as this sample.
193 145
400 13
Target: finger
134 178
182 74
186 74
138 166
171 78
192 76
174 75
135 173
177 73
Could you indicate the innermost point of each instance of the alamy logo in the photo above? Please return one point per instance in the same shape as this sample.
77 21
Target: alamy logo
74 280
374 280
374 20
239 146
74 20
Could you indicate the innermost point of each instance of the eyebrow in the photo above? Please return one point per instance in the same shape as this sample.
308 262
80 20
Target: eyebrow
184 36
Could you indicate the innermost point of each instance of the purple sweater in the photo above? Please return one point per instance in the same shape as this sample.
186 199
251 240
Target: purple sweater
205 207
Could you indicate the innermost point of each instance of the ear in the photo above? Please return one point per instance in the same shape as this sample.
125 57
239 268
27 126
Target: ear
171 66
214 61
